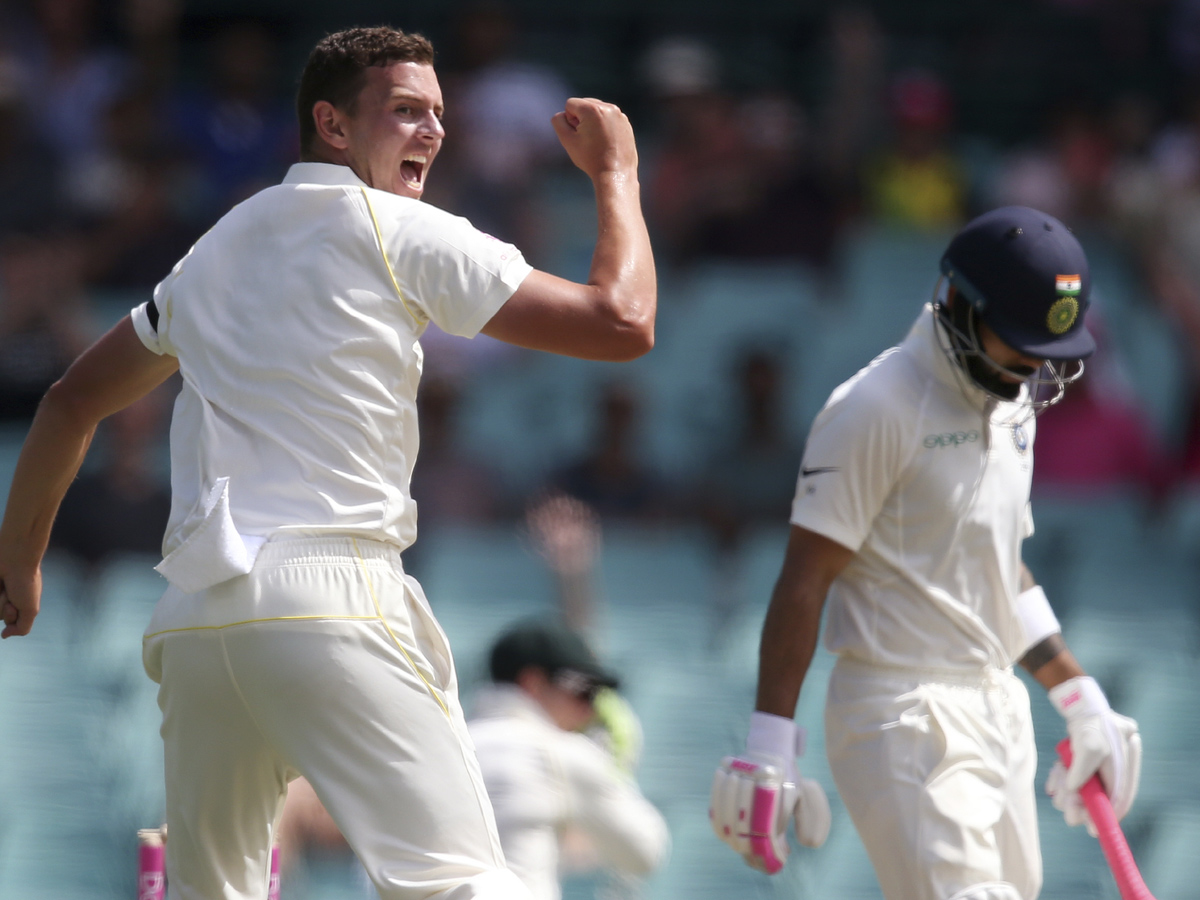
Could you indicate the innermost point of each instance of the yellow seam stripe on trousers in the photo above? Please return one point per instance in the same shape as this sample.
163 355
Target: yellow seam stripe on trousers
379 611
252 622
387 262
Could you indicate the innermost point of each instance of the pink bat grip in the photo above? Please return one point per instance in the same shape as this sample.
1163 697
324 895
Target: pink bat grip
152 880
762 824
1112 839
273 886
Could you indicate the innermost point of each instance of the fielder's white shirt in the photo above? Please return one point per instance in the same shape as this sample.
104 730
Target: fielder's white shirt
542 779
295 321
914 467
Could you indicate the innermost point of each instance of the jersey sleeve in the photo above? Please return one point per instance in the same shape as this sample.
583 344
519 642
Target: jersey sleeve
628 832
152 319
451 272
852 460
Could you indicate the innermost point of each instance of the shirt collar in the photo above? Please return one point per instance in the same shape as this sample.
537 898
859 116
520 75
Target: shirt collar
927 341
322 173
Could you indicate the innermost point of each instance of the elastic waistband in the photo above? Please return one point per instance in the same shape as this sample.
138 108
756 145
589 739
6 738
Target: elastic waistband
285 547
984 677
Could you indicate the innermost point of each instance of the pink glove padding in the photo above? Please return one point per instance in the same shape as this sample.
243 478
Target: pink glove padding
1103 742
755 795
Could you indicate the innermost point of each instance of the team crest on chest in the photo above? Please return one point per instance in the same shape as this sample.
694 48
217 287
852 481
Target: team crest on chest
1020 439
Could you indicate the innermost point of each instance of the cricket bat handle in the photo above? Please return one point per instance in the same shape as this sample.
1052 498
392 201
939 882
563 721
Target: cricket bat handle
1112 839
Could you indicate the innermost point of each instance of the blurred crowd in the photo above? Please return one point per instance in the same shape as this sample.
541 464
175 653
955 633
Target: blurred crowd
127 128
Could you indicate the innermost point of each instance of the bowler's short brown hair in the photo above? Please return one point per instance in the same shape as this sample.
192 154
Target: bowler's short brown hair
336 69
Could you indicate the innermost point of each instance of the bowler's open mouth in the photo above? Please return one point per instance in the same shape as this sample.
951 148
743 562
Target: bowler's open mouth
412 171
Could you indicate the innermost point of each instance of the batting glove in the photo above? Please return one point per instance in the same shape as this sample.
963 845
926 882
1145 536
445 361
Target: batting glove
617 729
755 795
1102 742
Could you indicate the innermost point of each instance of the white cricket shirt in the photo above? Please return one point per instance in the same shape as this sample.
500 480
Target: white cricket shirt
927 479
295 321
542 779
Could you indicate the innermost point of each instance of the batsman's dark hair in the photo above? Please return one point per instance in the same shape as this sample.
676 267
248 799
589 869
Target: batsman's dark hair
337 66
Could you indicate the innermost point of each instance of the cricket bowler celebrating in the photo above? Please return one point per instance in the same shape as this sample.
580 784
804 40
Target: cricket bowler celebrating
290 641
910 509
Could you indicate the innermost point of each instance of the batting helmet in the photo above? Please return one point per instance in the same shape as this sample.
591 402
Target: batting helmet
1026 276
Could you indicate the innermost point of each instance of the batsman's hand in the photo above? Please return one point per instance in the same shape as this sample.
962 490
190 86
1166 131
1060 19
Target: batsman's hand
597 136
755 795
1102 742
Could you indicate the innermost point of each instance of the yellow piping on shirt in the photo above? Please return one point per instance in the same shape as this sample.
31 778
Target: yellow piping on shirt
379 612
387 262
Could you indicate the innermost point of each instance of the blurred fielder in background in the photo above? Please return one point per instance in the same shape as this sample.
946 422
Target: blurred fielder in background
290 641
557 746
548 782
910 510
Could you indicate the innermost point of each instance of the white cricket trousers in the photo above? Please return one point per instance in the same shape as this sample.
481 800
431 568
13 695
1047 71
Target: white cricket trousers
325 661
936 770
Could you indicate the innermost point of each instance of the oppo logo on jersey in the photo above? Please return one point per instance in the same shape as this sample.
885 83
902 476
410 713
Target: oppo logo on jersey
951 439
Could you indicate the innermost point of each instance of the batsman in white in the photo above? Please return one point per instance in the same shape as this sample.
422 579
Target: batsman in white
290 641
911 505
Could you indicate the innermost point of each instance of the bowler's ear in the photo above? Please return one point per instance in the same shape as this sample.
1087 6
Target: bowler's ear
330 123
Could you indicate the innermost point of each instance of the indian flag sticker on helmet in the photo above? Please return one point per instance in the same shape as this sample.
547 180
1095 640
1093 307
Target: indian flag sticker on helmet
1068 285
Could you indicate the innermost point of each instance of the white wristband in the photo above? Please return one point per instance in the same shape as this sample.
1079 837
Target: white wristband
1037 618
1079 696
776 736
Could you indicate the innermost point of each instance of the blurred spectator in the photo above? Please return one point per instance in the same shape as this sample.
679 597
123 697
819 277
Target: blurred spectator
237 129
1097 438
1137 184
71 80
43 318
611 478
29 177
917 181
449 486
749 177
779 205
566 534
750 481
122 506
137 228
499 136
852 115
695 165
1068 174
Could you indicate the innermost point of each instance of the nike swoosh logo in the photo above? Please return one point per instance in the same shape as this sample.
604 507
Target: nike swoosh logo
818 470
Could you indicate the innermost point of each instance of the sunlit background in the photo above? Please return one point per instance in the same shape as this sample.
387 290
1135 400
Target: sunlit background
803 165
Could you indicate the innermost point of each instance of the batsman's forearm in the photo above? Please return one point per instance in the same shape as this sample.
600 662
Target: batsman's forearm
50 458
623 261
1059 667
789 640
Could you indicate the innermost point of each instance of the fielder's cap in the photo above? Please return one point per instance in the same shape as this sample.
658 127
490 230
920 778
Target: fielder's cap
1026 275
552 647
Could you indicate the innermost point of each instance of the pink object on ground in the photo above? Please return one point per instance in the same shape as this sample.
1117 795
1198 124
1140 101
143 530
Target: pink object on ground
1112 839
